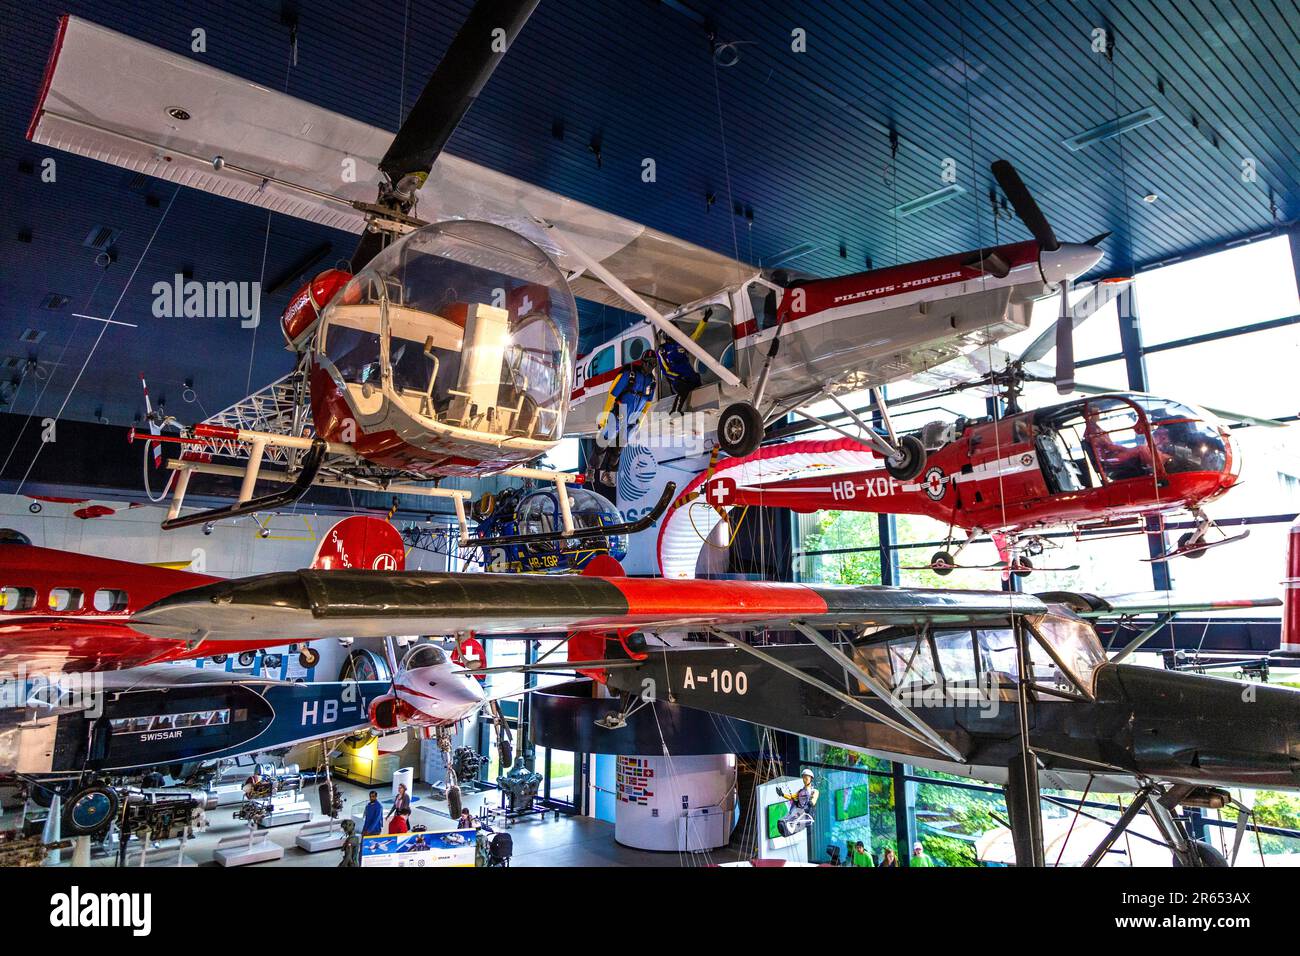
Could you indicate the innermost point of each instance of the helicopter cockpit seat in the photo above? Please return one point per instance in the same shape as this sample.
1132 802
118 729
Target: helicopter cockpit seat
474 400
1060 473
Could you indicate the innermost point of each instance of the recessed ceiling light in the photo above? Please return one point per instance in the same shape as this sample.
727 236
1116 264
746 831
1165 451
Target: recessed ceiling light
176 112
1150 197
951 191
1115 127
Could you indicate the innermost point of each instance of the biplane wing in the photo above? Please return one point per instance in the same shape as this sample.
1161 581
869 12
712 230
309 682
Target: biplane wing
312 605
122 101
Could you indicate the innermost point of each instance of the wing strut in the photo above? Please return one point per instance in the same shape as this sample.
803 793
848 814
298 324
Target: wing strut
639 304
948 750
852 666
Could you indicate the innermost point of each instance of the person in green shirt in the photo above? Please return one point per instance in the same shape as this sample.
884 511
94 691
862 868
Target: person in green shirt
918 856
861 856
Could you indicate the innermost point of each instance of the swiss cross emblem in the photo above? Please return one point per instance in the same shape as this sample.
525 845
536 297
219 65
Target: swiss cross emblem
721 492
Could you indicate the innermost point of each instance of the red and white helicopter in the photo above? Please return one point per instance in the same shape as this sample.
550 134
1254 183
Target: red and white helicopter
399 382
1104 461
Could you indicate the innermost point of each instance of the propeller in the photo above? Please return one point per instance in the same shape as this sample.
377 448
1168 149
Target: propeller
1013 187
1063 337
468 64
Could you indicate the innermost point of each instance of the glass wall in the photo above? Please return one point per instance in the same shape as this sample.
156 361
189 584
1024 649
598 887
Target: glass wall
856 802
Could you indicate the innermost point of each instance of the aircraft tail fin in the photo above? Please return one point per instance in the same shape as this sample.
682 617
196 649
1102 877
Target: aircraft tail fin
361 542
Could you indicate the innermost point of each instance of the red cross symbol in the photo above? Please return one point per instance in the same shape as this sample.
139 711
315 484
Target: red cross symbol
722 491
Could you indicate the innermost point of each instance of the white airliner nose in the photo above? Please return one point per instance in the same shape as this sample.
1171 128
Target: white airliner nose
1069 260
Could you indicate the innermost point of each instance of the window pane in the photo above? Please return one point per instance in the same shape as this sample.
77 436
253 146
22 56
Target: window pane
1244 569
998 653
1244 373
1099 335
956 655
911 662
1252 283
1075 645
833 531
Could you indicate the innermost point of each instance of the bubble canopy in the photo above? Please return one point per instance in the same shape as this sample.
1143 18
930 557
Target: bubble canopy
464 327
539 512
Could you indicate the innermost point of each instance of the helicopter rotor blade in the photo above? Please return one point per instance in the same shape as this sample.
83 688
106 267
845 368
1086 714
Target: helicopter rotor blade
474 53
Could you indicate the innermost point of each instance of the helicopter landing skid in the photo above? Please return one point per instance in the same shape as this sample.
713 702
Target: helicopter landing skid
1196 550
602 531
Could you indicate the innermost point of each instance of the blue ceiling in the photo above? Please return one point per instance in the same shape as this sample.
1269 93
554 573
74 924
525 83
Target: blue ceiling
793 146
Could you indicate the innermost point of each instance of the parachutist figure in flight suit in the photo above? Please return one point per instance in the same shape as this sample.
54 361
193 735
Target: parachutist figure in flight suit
630 397
799 816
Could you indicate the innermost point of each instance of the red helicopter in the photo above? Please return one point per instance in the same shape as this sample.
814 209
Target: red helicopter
1098 462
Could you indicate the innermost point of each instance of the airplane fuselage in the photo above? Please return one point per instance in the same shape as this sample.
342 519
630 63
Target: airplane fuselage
1143 722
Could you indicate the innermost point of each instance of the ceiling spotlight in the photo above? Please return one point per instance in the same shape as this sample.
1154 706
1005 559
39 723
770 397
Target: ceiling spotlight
177 113
1150 198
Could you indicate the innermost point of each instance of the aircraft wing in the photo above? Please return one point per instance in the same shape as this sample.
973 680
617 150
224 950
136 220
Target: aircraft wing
116 99
1093 606
691 521
316 604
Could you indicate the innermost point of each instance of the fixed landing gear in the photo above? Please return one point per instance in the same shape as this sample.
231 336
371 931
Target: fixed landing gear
943 563
908 460
740 429
1022 567
1187 545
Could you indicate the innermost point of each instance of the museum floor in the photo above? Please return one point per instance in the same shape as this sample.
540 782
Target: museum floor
538 840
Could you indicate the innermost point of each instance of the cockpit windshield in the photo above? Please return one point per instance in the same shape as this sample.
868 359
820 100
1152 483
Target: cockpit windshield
424 655
1183 440
539 513
1074 645
467 324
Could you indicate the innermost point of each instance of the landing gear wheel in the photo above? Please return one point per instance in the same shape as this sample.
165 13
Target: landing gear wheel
90 810
942 563
309 657
219 658
246 658
1208 855
506 754
1186 540
909 461
1022 567
740 429
454 804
